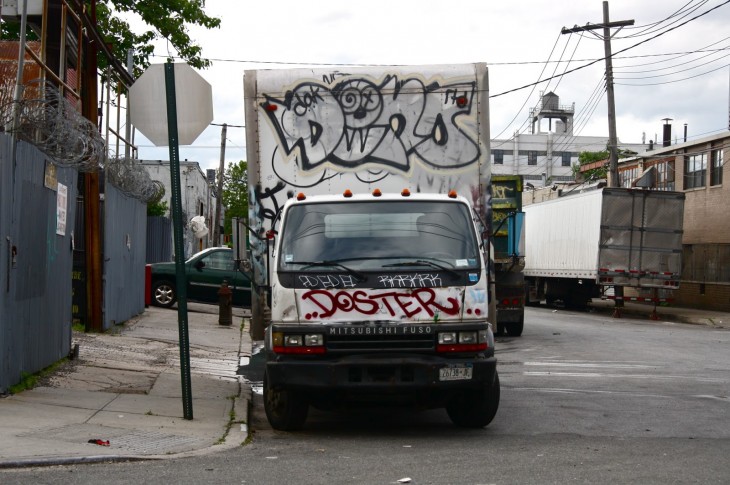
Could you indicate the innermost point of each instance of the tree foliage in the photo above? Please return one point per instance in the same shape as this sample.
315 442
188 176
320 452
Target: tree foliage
601 172
170 20
157 208
585 158
235 192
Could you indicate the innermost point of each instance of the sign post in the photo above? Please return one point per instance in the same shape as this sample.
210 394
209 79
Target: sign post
197 113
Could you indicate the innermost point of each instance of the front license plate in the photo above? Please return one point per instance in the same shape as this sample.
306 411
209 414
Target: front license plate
455 373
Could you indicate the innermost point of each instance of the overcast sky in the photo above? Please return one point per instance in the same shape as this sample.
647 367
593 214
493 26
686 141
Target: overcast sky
678 71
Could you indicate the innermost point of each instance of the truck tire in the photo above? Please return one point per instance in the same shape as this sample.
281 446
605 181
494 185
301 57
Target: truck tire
475 409
514 329
285 409
163 294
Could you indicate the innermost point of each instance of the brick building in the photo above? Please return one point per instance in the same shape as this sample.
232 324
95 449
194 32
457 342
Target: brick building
696 168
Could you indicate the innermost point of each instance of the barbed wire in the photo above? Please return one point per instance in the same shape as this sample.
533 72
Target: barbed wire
50 121
53 123
131 178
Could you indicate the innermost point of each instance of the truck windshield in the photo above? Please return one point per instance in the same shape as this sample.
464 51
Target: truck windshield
378 236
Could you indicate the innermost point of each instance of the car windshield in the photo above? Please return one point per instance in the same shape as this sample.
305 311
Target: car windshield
378 235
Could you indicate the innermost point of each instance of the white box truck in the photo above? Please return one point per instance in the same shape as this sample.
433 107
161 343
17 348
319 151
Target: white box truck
368 189
579 246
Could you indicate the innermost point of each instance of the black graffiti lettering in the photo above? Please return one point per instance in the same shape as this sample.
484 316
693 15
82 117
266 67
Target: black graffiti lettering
351 121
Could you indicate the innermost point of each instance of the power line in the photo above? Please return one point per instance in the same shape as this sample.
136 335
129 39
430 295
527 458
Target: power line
620 51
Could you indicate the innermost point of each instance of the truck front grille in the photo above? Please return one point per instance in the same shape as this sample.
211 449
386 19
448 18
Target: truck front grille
386 343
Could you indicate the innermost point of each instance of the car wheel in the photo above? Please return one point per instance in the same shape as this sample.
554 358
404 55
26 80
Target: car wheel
475 409
163 294
285 409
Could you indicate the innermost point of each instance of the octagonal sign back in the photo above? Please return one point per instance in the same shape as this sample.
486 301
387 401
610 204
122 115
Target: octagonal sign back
148 104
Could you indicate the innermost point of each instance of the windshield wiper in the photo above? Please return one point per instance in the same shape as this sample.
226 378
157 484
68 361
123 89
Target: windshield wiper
423 262
309 264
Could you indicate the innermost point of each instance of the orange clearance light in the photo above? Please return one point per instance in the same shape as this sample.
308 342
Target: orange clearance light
301 196
452 194
347 193
405 192
377 193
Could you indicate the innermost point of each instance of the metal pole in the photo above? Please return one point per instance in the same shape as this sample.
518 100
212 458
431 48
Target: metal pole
181 280
18 93
612 138
128 128
219 193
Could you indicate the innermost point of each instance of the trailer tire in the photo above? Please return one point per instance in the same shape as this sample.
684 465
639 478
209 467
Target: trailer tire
514 329
285 409
475 409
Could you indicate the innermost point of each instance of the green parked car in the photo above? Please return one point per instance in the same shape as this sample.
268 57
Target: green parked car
205 272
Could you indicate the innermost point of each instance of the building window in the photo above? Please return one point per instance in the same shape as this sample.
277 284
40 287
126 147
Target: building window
498 157
566 159
695 169
532 157
627 176
665 175
716 167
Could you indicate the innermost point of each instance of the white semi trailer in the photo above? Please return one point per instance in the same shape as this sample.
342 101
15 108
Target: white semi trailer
579 246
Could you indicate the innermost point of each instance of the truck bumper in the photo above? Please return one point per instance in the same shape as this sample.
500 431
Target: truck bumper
382 379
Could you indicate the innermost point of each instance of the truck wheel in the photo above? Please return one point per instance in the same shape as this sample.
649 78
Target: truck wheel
515 329
163 294
285 409
475 409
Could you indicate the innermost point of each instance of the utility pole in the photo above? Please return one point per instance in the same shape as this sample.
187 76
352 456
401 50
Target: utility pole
612 138
219 192
92 184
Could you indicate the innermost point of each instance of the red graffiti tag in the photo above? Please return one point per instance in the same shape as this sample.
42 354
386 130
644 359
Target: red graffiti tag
410 303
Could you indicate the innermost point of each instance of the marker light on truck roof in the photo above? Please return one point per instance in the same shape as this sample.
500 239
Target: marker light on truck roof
452 194
347 193
405 192
377 193
301 196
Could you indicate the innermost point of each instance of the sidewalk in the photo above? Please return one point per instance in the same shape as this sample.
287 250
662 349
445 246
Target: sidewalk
125 388
665 313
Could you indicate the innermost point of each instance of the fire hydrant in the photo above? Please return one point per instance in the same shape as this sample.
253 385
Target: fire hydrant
225 306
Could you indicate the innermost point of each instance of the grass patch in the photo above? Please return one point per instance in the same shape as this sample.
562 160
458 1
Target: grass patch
29 381
78 327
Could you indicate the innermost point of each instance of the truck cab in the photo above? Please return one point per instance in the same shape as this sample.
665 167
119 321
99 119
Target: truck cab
379 298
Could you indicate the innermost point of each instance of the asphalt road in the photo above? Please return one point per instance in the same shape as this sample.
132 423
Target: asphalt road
585 399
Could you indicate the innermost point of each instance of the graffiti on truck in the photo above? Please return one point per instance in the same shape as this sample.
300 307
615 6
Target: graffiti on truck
423 301
357 121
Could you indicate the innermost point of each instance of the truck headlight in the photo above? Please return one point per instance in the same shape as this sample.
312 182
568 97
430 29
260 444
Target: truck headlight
464 341
297 343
